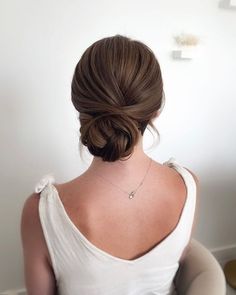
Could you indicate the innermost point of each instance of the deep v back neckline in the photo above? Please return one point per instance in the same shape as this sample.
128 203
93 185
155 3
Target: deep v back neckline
147 254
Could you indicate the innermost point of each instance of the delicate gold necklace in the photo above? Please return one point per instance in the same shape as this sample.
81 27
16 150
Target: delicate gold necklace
133 192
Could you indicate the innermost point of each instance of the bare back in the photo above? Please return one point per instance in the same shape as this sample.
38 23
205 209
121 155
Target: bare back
123 227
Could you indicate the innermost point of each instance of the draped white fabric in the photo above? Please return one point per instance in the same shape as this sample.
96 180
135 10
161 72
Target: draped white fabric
83 269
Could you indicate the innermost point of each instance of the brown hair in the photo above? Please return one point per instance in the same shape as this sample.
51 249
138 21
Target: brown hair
117 89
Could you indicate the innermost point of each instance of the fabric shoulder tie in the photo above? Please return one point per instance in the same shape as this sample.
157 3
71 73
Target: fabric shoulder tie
45 180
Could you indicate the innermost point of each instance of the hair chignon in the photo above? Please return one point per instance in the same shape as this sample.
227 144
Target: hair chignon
117 89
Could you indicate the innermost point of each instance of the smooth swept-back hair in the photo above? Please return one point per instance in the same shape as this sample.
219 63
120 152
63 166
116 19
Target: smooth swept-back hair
117 89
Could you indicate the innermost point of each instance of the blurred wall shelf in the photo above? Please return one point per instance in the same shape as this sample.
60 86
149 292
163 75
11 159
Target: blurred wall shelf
227 4
186 52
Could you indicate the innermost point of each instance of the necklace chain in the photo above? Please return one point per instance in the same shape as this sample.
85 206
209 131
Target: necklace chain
133 192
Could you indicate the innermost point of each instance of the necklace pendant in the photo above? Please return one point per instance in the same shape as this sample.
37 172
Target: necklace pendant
131 195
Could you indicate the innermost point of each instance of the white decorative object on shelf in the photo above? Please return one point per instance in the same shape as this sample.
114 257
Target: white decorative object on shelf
186 46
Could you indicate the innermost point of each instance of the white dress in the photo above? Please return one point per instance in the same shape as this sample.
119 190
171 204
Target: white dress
81 268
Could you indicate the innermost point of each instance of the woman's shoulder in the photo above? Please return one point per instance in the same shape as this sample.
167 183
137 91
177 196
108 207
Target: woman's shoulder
30 220
172 163
31 227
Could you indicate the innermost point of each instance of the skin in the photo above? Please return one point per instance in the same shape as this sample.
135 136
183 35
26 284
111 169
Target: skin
122 229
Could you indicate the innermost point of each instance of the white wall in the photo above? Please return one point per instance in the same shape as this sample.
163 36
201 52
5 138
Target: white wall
41 42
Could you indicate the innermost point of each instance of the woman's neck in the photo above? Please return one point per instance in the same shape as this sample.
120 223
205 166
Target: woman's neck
137 159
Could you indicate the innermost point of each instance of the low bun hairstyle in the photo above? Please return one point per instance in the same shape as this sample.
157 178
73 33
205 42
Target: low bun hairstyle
117 89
